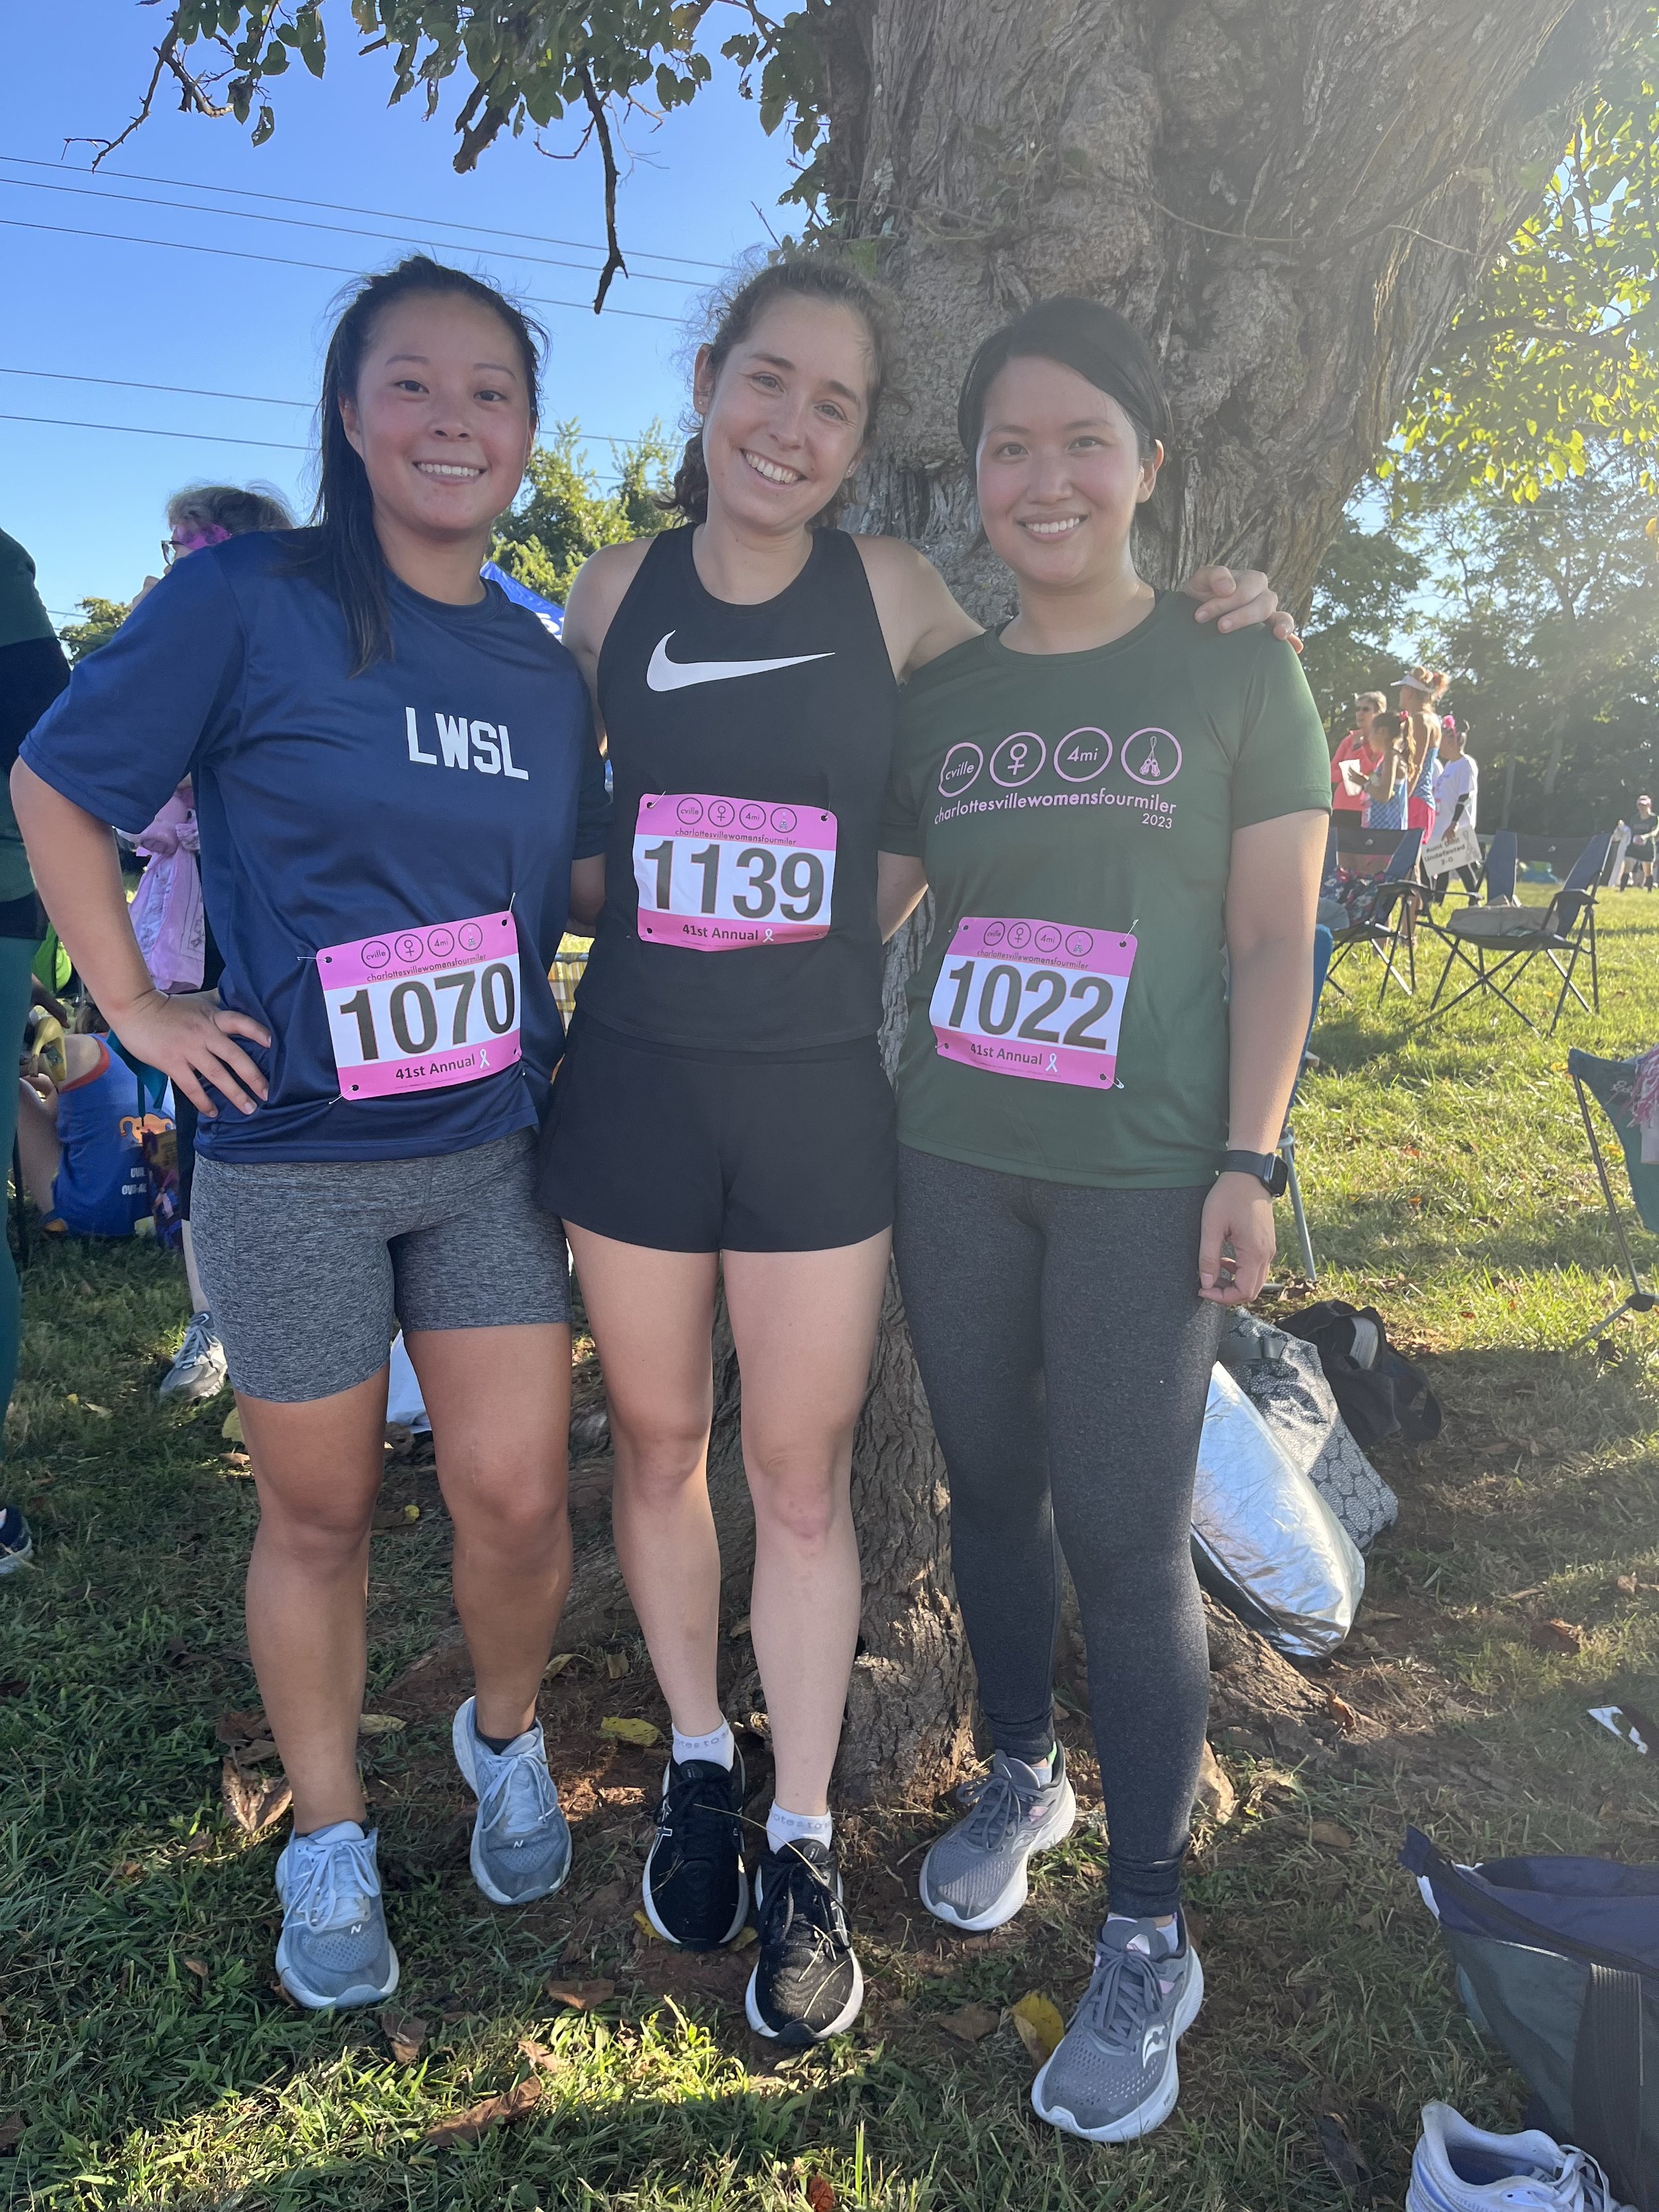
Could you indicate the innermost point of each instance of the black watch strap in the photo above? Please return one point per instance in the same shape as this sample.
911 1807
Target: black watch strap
1268 1169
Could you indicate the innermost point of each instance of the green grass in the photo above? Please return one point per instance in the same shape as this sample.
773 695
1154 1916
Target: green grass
1448 1183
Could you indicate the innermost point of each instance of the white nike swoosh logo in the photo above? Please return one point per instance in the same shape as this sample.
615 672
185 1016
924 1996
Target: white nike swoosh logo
666 675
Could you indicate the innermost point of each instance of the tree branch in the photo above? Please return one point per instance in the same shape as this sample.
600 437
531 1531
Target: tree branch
613 259
167 61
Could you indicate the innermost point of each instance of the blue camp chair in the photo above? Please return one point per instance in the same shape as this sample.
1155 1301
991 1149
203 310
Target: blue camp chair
1387 921
1506 940
1322 965
1608 1082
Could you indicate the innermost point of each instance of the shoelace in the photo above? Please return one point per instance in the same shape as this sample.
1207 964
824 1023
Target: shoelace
336 1885
1124 1992
800 1913
1581 2186
705 1832
198 1340
517 1797
998 1807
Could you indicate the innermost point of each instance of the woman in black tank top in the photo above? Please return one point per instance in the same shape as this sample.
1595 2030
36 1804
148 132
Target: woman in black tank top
721 1108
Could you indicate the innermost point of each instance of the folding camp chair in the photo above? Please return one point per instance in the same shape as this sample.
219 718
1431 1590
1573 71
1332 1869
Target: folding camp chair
1321 963
1608 1082
1506 940
1388 921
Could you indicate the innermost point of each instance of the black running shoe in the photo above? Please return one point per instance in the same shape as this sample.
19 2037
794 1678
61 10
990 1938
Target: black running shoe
696 1894
806 1984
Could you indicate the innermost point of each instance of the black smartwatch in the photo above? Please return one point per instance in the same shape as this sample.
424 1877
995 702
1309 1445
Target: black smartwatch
1269 1170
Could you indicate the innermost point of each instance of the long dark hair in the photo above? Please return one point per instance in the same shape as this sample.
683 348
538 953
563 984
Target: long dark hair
817 273
1084 335
341 550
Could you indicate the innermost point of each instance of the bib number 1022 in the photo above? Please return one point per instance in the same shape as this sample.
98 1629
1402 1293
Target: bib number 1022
1038 1000
716 875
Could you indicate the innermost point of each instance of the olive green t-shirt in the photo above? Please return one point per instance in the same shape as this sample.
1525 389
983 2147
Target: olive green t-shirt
23 619
1075 813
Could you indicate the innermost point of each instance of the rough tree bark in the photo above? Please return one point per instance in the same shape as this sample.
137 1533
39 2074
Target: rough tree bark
1292 198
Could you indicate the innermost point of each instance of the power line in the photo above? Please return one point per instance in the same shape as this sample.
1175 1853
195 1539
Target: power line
297 223
286 261
387 215
191 392
142 430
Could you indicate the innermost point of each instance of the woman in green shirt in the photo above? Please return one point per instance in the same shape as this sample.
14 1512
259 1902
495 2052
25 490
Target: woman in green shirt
1121 815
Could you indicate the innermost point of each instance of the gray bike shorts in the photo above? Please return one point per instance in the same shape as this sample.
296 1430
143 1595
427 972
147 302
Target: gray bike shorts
310 1266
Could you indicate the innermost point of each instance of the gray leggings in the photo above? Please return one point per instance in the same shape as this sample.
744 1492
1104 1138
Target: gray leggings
1067 1356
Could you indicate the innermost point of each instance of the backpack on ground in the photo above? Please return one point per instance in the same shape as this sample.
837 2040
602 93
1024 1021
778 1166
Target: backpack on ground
1377 1393
1558 1961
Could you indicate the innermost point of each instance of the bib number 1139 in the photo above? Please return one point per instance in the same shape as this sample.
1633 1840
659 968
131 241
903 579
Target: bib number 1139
420 1009
716 875
1039 1000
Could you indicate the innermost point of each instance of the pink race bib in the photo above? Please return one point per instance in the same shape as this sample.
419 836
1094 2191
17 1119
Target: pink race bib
1044 999
418 1009
717 874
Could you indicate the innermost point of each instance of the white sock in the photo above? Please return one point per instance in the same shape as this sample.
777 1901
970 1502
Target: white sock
1171 1934
783 1828
336 1833
719 1747
1044 1768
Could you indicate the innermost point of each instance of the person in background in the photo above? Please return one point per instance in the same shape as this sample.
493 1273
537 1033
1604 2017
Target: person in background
77 1140
1420 691
1358 755
1638 853
199 516
32 672
1457 777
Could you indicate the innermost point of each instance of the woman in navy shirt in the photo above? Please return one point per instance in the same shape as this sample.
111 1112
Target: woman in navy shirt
400 798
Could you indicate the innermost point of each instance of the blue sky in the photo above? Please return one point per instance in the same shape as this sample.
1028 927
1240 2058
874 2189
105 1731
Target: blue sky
87 503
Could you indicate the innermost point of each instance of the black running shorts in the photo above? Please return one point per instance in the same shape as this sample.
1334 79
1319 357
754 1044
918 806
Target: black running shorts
704 1152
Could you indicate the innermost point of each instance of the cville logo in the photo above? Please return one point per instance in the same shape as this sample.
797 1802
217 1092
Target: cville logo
484 747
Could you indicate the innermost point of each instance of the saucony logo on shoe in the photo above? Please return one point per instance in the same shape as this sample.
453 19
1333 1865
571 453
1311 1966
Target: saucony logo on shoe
665 675
1155 2038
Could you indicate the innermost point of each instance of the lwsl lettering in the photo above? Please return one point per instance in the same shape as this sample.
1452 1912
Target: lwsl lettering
483 746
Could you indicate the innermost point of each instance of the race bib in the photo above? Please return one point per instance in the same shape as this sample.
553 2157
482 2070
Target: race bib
1036 998
717 874
418 1009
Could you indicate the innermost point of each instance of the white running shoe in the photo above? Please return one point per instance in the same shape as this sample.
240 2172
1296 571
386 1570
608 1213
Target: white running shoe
1458 2167
199 1369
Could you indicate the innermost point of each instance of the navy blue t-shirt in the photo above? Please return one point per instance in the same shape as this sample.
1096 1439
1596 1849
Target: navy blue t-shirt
459 778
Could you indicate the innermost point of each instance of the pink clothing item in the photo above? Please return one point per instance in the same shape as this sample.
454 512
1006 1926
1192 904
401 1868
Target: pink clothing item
166 912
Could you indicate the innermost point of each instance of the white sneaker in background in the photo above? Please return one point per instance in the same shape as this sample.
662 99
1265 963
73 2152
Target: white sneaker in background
1458 2167
199 1369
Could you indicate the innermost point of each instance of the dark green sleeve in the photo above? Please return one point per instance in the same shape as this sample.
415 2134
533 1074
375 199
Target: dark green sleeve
1284 764
901 824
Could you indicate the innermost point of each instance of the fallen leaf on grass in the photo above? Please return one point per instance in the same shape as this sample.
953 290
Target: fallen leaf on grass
252 1801
1330 1836
616 1666
11 2128
557 1664
236 1462
538 2053
970 2023
1557 1636
380 1724
1037 2019
396 1516
643 1922
405 2032
737 1631
196 1967
231 1429
641 1734
820 2194
1343 2155
580 1996
248 1725
1341 1712
1215 1796
745 1935
476 2122
1626 1585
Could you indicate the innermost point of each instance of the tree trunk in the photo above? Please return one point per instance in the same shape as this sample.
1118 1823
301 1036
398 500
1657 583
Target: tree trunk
1292 198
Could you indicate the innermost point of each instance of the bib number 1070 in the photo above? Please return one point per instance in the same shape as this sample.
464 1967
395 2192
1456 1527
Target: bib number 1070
1038 1000
716 875
420 1009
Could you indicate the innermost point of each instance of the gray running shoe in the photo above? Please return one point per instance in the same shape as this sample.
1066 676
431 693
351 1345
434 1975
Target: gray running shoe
1114 2075
334 1948
199 1369
520 1839
975 1875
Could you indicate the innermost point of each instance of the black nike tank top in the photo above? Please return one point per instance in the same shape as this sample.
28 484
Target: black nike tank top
750 748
